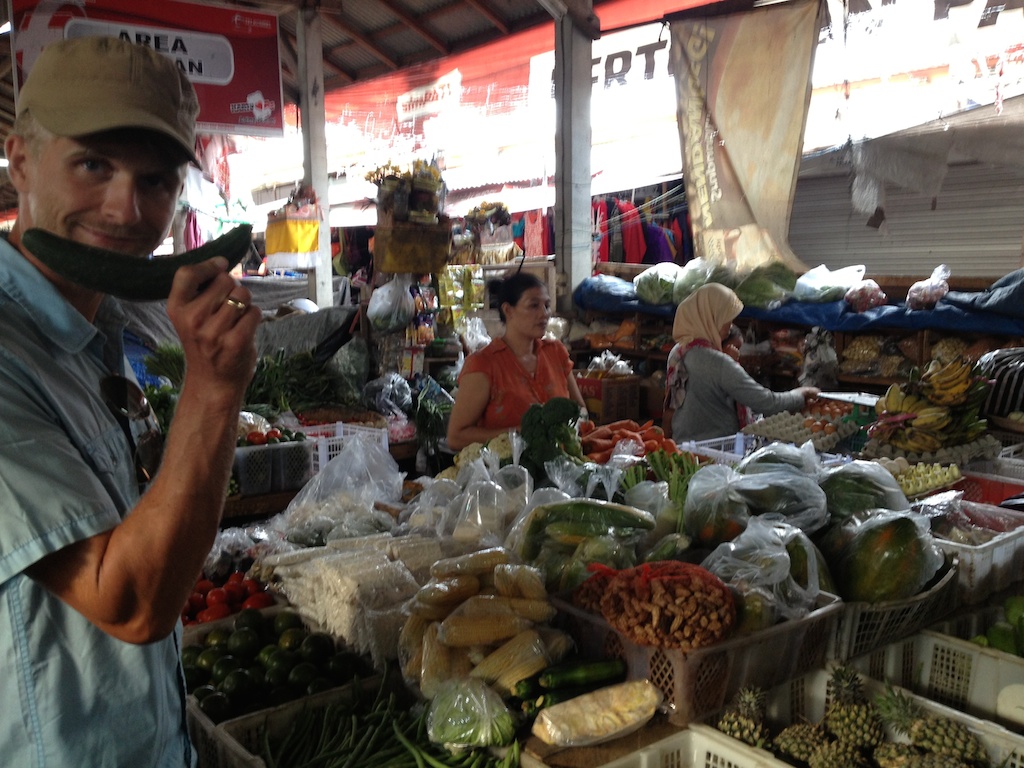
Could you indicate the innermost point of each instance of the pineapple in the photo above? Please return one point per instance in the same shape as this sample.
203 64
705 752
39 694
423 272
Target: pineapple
837 754
932 733
850 717
892 755
935 760
799 740
744 718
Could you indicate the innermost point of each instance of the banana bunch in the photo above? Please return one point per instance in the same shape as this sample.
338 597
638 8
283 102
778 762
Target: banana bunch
910 422
947 383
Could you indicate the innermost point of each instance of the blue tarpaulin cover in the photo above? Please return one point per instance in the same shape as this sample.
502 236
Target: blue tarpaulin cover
999 309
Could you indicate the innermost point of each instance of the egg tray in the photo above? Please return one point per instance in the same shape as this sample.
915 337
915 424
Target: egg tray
791 428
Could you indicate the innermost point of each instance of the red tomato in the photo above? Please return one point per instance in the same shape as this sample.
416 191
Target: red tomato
236 592
196 602
236 576
256 438
217 595
203 586
259 600
252 586
214 612
275 433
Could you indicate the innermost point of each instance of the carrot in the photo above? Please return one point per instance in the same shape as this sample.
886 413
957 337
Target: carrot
586 427
645 426
626 434
629 424
651 445
600 457
601 433
598 445
669 445
653 433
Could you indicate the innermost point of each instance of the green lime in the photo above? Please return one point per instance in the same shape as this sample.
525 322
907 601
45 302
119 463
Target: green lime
291 639
317 647
303 674
203 691
209 657
216 637
250 618
266 653
194 677
244 643
222 666
238 684
286 620
190 655
277 676
216 706
318 684
341 667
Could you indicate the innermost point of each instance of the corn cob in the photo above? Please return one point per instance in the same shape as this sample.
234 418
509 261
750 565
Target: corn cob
558 644
475 563
516 659
436 661
515 580
410 647
461 630
449 591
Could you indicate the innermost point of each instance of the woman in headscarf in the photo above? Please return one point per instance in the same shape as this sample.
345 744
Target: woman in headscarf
707 393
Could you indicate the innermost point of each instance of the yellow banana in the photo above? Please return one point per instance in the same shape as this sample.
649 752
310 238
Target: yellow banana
933 418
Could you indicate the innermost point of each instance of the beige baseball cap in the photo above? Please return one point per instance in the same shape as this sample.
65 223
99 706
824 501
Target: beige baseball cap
90 84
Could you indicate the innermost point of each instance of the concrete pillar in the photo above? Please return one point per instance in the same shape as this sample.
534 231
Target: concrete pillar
314 145
573 53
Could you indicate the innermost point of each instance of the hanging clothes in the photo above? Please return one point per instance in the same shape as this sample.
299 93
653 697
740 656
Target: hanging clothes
599 227
659 245
193 232
615 250
534 236
634 244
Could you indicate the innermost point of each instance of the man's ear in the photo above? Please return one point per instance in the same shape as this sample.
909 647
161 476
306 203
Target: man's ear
16 150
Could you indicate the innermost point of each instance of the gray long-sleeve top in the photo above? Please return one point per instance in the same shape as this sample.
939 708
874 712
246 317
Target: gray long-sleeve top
715 383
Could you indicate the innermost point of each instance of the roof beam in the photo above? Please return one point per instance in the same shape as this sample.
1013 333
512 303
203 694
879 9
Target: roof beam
581 12
361 39
412 23
488 14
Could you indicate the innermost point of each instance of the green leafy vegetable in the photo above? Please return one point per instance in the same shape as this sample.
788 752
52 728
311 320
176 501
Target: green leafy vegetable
549 431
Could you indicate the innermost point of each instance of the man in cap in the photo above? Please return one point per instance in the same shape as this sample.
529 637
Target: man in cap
94 568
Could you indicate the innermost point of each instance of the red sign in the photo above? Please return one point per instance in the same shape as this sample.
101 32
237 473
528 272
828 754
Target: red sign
229 54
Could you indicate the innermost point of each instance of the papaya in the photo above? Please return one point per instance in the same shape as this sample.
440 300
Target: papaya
801 549
887 558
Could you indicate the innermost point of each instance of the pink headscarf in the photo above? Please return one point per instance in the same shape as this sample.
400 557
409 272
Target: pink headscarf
702 314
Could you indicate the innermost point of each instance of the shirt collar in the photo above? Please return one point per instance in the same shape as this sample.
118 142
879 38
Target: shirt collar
60 322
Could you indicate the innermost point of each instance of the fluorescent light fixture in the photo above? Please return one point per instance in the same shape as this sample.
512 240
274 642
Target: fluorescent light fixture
5 28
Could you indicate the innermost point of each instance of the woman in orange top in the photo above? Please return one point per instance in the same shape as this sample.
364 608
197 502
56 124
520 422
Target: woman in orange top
499 382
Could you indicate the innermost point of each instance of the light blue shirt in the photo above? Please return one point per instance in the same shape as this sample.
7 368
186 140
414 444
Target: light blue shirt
72 694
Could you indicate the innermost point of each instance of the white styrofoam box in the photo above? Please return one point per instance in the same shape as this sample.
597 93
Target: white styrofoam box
731 448
806 698
983 682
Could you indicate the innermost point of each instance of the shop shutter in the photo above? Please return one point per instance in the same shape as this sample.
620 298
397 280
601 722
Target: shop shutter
976 227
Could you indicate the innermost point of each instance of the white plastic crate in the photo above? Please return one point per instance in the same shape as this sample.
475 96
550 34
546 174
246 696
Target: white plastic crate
806 698
986 568
701 681
262 469
699 746
981 681
863 627
327 446
731 448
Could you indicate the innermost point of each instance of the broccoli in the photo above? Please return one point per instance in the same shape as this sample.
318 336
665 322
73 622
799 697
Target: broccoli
550 432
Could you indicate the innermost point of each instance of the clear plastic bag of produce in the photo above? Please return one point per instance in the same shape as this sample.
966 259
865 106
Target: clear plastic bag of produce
770 457
605 714
720 501
864 295
478 516
859 486
757 566
468 713
925 294
881 555
388 394
656 284
822 284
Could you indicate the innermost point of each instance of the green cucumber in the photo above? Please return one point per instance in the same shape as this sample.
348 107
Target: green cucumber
129 277
575 673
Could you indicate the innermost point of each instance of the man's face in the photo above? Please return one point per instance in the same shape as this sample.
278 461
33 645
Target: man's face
114 190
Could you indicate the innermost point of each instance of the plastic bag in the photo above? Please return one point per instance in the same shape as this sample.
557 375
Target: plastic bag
864 295
480 514
391 306
466 713
924 294
858 486
388 394
720 501
771 457
655 284
756 564
599 716
821 284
